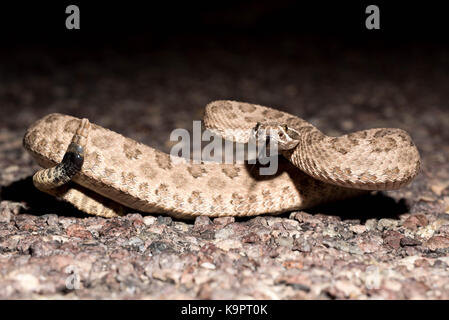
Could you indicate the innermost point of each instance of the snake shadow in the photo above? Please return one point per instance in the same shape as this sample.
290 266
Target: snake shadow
37 202
376 205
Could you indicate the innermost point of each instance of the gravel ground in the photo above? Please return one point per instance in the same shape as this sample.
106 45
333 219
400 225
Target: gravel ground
388 245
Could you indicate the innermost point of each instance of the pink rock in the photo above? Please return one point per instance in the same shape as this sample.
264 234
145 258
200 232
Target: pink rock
393 239
77 230
415 221
437 242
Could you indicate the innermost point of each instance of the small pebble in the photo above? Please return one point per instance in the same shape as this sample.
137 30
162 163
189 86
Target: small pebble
386 224
164 220
371 224
149 220
415 221
437 242
407 241
357 228
208 265
439 264
51 219
79 231
224 221
201 221
393 239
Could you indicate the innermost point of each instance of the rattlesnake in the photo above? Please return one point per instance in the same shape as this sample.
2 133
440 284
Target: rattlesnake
119 174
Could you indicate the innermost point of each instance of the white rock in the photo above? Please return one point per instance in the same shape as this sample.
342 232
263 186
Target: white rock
149 220
348 288
208 265
228 244
27 281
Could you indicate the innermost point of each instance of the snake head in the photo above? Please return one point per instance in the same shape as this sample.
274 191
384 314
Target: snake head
284 136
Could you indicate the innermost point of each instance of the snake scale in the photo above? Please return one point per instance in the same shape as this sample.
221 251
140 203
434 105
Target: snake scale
104 173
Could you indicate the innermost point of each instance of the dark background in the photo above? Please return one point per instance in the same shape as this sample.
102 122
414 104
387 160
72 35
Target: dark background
133 59
157 64
114 23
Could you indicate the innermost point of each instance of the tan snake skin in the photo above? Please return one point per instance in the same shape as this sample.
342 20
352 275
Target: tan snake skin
120 174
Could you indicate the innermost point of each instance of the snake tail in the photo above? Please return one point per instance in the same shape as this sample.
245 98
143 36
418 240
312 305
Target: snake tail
71 163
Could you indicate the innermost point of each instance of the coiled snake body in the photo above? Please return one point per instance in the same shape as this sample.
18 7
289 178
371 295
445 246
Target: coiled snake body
104 173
